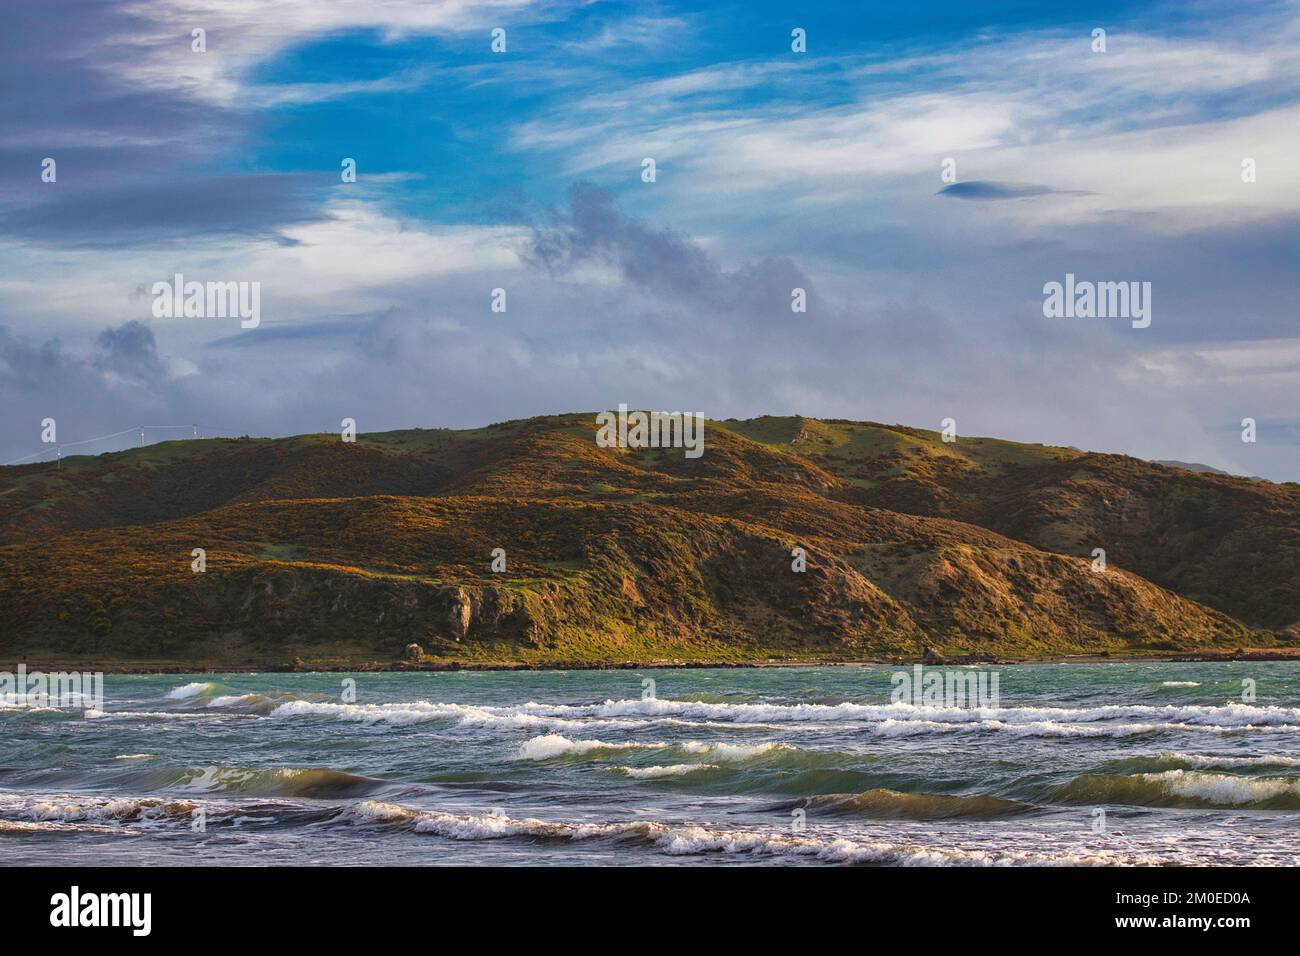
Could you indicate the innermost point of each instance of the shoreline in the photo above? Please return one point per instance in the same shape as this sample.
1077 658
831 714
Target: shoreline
180 668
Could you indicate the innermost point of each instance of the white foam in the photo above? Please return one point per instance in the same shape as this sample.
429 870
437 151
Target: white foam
230 700
1228 714
555 745
1223 789
688 840
890 720
50 826
163 715
400 714
375 811
912 728
24 702
88 809
1226 760
396 714
191 690
672 770
731 753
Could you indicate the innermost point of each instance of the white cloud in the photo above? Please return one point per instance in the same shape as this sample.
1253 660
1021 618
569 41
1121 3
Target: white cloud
644 32
357 259
360 248
241 34
1119 131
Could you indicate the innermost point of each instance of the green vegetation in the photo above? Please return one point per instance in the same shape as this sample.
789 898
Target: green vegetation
339 553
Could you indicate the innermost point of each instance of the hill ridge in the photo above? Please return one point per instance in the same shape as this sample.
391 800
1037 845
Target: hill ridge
329 550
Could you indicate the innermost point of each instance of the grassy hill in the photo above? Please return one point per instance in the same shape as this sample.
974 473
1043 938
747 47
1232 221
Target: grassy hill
347 552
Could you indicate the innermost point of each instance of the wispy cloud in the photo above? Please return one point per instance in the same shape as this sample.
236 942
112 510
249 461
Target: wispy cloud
1154 122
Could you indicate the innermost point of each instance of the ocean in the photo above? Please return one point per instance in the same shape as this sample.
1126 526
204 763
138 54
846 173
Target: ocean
1112 764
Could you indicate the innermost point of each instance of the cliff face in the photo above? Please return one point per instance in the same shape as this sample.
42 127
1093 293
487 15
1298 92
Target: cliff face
326 550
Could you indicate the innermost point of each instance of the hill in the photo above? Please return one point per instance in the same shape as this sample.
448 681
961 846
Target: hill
346 552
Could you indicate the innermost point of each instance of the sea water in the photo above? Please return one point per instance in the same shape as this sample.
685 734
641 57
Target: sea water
1142 764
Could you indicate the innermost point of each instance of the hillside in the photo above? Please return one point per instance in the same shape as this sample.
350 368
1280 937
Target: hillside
331 551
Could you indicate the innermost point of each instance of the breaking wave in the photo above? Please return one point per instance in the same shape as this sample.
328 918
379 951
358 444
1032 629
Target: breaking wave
688 840
415 712
85 809
673 770
556 745
889 804
1189 761
1226 715
195 689
277 781
886 720
1185 788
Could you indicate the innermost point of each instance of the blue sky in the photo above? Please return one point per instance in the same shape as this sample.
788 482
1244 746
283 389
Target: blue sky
775 169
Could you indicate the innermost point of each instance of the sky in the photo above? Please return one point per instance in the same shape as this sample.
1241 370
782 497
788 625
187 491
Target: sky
920 171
